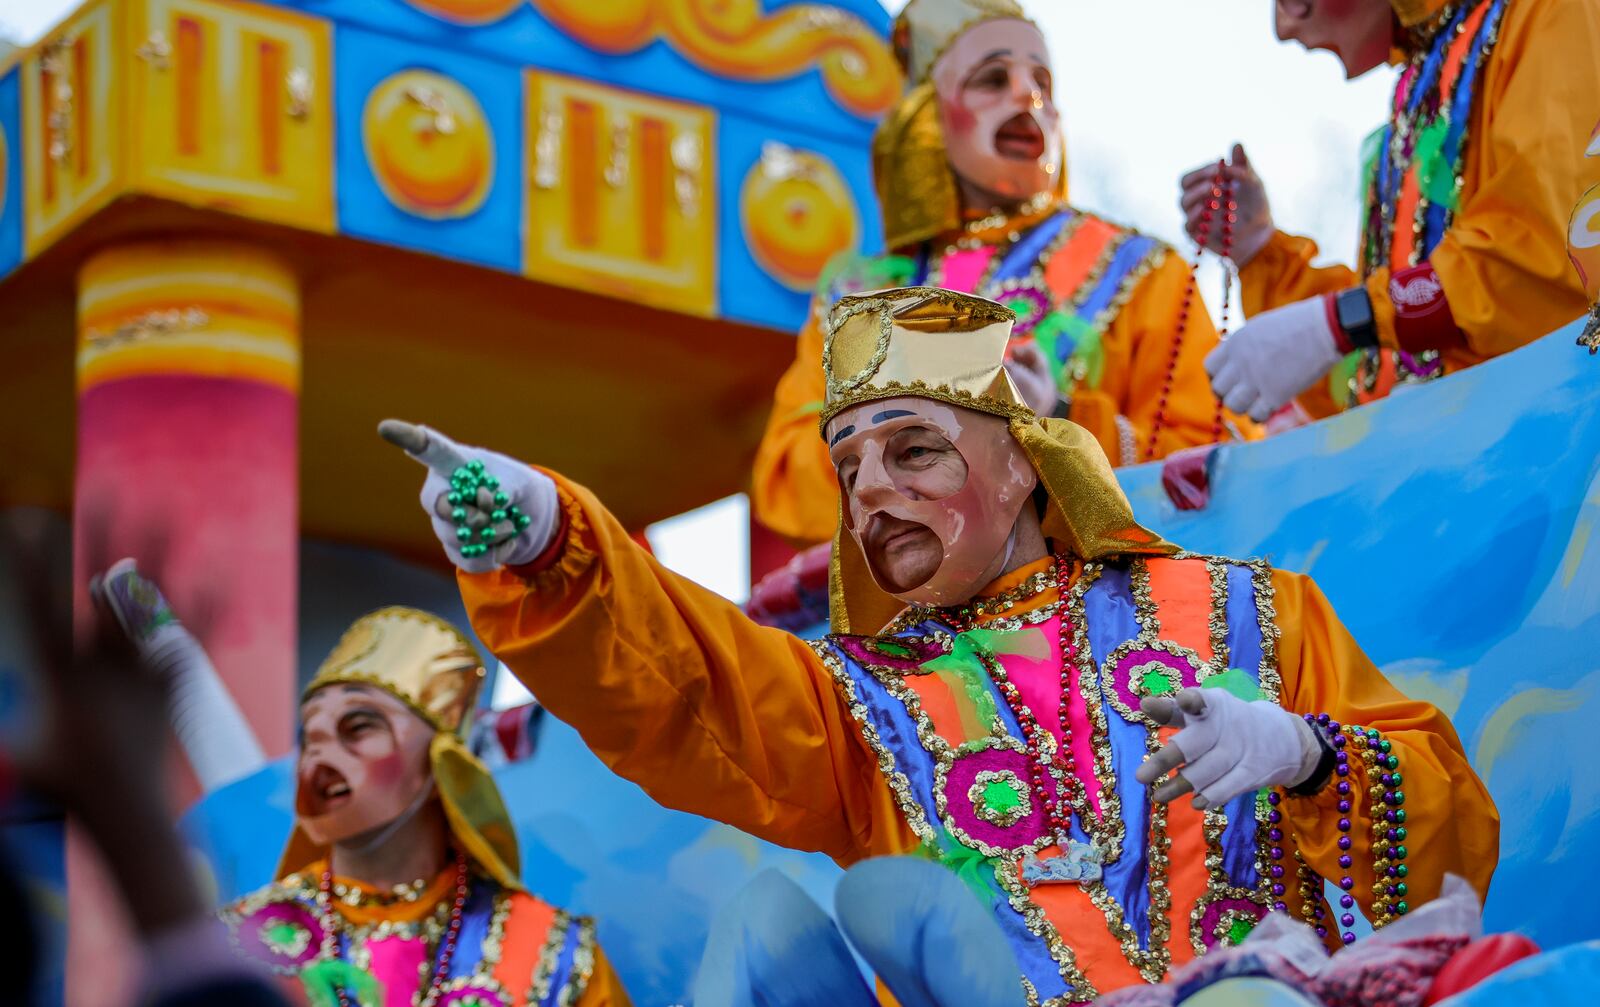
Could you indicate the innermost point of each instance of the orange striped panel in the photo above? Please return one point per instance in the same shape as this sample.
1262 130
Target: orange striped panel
527 932
1181 590
189 53
583 137
1070 266
270 106
941 704
1186 878
1405 215
1084 929
654 177
84 87
1456 59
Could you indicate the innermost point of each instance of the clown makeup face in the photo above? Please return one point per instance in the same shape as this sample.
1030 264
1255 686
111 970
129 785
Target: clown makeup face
1359 32
1000 123
363 762
932 493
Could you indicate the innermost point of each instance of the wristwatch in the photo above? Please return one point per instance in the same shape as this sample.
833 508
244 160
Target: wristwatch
1353 309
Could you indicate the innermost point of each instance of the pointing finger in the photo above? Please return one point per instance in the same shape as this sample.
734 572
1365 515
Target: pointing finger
429 447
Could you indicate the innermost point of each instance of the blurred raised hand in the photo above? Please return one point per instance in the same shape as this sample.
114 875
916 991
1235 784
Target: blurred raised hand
1253 227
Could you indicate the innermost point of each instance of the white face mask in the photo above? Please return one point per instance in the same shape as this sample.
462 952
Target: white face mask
1001 128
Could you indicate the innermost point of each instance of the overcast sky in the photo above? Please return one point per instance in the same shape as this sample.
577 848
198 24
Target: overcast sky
1147 90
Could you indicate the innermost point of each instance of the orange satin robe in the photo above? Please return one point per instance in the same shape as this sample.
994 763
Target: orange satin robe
1503 260
794 490
675 689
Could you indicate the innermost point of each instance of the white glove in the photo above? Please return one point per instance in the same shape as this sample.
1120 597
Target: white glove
1277 355
215 736
534 493
1227 747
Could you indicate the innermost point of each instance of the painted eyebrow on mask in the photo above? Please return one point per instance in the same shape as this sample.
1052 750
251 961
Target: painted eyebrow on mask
891 414
841 435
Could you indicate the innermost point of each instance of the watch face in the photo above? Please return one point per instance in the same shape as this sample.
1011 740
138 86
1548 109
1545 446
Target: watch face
1355 310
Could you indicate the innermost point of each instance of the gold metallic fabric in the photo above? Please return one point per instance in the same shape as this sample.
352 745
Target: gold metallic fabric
432 667
925 29
416 656
911 172
923 341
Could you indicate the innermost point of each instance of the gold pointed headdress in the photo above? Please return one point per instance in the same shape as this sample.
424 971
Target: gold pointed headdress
433 668
923 341
940 344
910 166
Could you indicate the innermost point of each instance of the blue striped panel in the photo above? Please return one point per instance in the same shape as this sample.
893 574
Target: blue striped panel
1025 253
1109 610
1127 258
1244 652
475 916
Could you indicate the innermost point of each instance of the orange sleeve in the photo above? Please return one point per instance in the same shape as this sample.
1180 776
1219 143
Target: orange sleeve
1282 273
1451 823
604 988
794 490
1147 326
1503 261
675 689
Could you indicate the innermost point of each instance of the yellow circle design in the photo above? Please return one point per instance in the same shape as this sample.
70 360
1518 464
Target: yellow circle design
429 144
797 213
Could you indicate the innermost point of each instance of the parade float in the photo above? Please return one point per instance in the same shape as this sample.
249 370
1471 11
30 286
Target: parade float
233 236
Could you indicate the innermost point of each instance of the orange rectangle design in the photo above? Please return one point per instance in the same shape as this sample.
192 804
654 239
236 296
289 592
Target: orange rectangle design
1071 265
47 177
654 178
582 171
189 53
603 210
85 85
270 110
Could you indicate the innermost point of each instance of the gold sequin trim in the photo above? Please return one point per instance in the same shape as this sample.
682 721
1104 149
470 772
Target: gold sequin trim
582 964
901 787
923 390
1267 619
549 958
1218 569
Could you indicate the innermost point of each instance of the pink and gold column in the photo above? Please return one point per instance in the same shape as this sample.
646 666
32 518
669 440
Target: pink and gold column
188 395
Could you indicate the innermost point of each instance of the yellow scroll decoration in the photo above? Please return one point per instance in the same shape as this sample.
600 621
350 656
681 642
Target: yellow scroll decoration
735 39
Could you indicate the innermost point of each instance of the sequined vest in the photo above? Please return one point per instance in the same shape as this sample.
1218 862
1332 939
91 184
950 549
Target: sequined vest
1171 881
513 949
1066 277
1413 171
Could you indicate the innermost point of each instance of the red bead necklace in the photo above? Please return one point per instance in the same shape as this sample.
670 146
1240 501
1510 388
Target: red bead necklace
1221 199
332 927
1034 735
